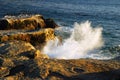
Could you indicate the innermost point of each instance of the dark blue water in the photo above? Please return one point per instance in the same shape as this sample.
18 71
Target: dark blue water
105 13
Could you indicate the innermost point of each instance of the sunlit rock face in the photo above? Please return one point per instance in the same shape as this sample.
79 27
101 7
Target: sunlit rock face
34 37
17 49
30 28
13 57
26 23
54 69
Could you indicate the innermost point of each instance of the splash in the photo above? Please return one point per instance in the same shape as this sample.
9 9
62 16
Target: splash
81 42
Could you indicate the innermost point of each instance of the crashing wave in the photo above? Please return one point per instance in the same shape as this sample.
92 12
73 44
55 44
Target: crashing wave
83 40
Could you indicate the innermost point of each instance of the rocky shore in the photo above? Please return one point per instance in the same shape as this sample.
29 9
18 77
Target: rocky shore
21 42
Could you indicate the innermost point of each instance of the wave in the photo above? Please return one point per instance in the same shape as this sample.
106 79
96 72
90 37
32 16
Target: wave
83 42
17 16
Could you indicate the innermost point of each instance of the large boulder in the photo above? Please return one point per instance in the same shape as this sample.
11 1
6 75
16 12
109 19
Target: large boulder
27 23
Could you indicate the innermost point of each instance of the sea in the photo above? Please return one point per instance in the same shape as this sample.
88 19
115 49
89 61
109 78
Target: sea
89 28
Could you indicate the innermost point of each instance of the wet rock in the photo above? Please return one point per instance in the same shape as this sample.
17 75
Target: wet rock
3 24
50 23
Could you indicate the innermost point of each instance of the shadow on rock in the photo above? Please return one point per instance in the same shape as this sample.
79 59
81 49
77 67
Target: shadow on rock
107 75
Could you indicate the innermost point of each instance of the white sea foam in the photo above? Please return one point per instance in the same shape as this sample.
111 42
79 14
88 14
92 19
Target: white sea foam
17 17
82 41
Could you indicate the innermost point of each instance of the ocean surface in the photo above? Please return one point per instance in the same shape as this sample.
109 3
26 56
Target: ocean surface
104 14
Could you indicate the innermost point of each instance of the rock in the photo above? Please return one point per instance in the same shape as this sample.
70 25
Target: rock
50 23
13 58
20 78
29 23
16 49
3 24
4 71
38 54
54 69
74 69
34 37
